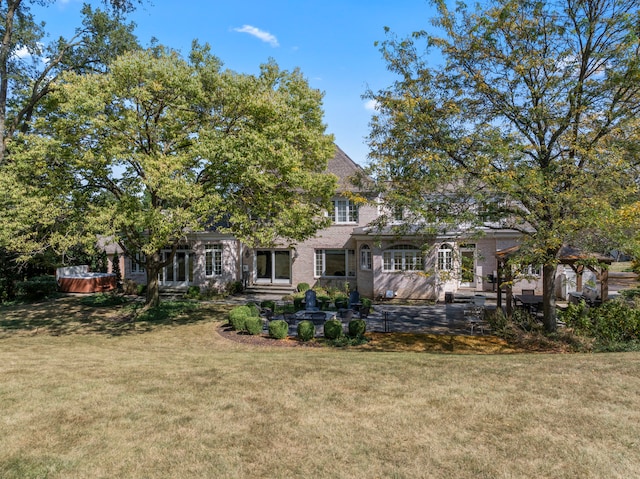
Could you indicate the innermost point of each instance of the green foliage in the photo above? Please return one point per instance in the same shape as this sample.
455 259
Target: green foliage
103 300
302 287
306 330
332 329
268 304
357 328
298 298
253 325
38 287
254 309
614 322
237 317
193 292
234 287
115 268
165 312
512 117
278 329
145 179
341 301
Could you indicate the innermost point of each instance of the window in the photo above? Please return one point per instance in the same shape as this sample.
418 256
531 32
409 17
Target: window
532 270
445 258
402 258
136 263
398 213
335 262
213 260
344 211
365 257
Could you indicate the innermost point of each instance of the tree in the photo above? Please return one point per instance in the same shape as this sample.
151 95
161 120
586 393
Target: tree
29 67
526 123
159 147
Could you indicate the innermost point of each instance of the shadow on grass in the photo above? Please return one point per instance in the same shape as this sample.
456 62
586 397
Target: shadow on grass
81 315
438 343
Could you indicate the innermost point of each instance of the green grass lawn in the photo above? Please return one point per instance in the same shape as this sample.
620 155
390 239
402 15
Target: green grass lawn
100 396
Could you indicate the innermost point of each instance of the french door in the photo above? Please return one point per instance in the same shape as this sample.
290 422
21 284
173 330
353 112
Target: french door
273 266
179 273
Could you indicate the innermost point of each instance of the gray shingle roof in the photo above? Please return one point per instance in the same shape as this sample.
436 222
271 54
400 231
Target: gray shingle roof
344 168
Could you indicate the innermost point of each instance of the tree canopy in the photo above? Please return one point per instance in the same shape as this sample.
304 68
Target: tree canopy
160 146
525 119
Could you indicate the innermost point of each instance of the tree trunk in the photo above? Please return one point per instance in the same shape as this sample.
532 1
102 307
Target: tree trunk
549 297
153 287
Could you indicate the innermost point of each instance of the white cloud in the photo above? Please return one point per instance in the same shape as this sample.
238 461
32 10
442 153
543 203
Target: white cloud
371 105
260 34
22 52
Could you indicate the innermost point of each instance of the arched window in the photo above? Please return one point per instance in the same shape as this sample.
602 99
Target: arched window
365 257
402 258
445 257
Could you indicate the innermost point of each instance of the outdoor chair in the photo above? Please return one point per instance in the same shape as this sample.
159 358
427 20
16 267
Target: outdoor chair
289 317
310 301
528 292
354 301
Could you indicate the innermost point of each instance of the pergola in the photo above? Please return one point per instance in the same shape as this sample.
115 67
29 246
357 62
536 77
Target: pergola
568 255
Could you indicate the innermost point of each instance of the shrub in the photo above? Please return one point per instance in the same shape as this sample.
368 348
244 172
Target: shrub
193 292
253 325
141 289
332 329
357 328
302 287
366 302
237 317
306 330
254 309
341 302
278 329
612 322
297 302
234 287
38 287
268 304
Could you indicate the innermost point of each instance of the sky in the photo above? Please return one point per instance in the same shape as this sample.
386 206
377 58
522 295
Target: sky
330 41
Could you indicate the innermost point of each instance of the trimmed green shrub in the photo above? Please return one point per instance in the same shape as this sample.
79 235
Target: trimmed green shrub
306 330
366 302
357 328
237 317
193 292
297 302
254 309
268 304
278 329
341 302
302 287
612 322
323 302
332 329
253 325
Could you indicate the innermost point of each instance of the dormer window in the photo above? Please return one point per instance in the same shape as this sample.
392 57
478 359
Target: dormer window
344 211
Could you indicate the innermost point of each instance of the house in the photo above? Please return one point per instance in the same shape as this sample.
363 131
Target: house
350 253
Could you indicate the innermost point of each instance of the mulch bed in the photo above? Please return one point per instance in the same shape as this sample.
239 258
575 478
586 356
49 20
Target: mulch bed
264 340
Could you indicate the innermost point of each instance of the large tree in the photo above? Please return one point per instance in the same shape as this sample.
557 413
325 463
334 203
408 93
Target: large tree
523 117
30 63
160 146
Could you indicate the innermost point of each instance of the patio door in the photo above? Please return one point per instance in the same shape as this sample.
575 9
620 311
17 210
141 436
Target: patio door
178 273
273 266
467 266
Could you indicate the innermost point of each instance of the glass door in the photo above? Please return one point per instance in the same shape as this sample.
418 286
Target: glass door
273 266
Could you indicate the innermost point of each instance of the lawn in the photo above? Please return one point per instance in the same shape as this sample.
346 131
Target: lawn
88 392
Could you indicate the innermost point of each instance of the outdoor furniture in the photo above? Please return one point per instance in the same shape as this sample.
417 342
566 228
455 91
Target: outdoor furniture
310 301
530 302
474 315
317 317
354 301
528 292
290 318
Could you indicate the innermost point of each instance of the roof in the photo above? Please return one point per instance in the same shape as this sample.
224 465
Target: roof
344 168
566 255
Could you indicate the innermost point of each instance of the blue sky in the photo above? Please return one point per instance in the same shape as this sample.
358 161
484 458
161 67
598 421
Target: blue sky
331 41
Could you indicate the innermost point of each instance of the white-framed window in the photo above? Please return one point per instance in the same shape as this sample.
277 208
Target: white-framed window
532 270
398 213
402 258
335 262
344 211
213 260
136 266
365 257
445 257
